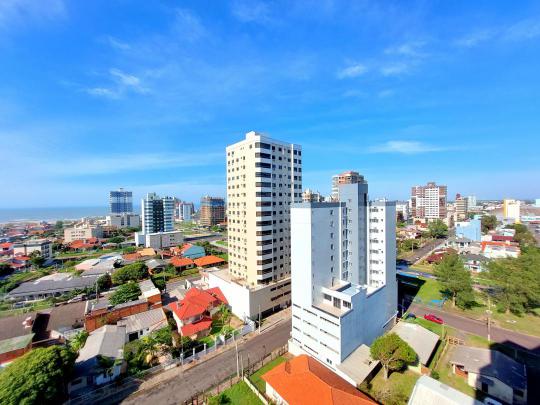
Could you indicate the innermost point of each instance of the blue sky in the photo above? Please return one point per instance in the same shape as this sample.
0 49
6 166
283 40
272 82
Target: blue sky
95 95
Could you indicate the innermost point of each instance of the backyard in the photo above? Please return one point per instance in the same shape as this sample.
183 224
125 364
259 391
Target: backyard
239 394
396 390
256 379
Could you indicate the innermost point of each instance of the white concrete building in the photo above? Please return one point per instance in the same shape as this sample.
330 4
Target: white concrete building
82 231
43 246
157 214
344 289
511 211
123 220
402 207
264 176
428 203
159 240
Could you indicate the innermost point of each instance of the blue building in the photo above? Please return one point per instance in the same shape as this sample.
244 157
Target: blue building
471 229
121 202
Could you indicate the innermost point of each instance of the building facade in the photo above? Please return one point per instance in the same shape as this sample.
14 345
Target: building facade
82 231
212 211
471 201
157 214
428 203
264 177
511 210
471 229
462 207
120 202
42 246
344 289
123 220
312 196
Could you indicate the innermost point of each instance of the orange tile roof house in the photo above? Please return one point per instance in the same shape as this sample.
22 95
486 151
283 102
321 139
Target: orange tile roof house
182 262
208 261
193 315
305 381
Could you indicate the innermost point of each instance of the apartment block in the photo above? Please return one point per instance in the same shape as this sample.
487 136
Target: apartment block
462 207
120 202
511 211
157 213
42 246
344 288
212 211
264 177
123 220
183 211
82 231
312 196
428 203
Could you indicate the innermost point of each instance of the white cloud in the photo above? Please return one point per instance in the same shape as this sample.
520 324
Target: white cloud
20 12
405 147
116 43
353 70
188 26
124 82
251 11
125 79
475 38
395 69
407 49
385 93
103 92
523 30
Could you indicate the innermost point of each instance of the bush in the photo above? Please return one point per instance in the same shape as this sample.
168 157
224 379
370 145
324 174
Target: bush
125 293
132 272
435 374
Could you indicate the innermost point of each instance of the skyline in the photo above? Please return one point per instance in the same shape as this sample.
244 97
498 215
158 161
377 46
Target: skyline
101 96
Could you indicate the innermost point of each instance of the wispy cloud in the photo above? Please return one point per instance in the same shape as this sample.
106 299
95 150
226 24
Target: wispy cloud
395 69
385 93
188 26
413 48
123 82
353 70
475 38
19 12
117 44
252 11
523 30
405 147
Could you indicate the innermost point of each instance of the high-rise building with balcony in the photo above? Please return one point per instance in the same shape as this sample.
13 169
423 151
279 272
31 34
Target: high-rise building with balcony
344 288
158 223
428 203
120 202
264 177
462 207
212 211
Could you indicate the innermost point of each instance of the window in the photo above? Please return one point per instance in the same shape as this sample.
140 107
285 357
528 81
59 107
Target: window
337 302
347 304
327 297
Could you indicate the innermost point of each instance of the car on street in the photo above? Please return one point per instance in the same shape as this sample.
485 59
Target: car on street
433 318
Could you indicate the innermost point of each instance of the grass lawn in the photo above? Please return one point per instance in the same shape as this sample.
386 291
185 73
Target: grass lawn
238 394
396 390
423 267
221 242
256 379
429 290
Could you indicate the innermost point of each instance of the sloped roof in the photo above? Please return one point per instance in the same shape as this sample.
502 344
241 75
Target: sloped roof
491 363
422 341
208 260
303 380
181 261
107 341
153 320
430 391
195 327
197 302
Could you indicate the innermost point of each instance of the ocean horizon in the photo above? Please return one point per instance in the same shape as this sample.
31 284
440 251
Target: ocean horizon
52 213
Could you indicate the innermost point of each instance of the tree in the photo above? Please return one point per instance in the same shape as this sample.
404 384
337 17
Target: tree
36 259
59 225
124 293
38 377
104 282
225 314
523 236
116 239
437 229
489 222
78 341
132 272
518 289
393 353
455 280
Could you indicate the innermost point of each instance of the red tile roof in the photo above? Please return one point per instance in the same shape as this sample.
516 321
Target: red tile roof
502 238
6 245
196 327
197 302
181 261
303 380
488 243
185 247
208 261
131 256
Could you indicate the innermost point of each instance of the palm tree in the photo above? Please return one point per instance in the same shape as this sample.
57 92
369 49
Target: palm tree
149 349
225 314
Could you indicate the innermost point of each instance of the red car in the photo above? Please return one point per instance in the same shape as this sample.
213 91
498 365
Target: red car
433 318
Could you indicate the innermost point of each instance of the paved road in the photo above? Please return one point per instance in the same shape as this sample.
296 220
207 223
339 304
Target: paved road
424 250
198 379
480 328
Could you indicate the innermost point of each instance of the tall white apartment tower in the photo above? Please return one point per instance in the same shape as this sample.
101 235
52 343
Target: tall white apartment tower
344 288
264 177
157 214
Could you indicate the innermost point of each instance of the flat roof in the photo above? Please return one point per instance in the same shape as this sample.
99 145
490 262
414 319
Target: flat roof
428 391
358 365
422 341
15 343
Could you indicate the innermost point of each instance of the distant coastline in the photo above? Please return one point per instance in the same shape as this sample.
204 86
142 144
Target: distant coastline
51 213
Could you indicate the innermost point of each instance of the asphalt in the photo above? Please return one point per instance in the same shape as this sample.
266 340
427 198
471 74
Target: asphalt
476 327
200 378
424 250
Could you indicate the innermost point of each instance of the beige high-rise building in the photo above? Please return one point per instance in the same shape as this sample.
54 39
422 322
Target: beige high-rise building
264 177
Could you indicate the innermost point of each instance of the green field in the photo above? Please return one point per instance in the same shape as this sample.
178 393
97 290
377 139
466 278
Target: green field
256 377
238 394
396 390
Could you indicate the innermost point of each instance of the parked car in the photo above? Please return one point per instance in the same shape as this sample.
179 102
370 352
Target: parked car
410 315
433 318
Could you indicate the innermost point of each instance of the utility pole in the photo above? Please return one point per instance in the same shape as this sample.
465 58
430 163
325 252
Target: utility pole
237 363
259 319
488 312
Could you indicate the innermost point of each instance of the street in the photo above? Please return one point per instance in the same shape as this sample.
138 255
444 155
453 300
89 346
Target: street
424 250
198 379
480 328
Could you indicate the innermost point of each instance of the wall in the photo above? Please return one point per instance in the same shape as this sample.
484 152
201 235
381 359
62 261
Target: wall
10 356
97 320
498 389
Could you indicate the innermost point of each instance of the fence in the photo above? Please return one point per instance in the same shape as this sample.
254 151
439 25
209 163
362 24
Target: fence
132 382
203 397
